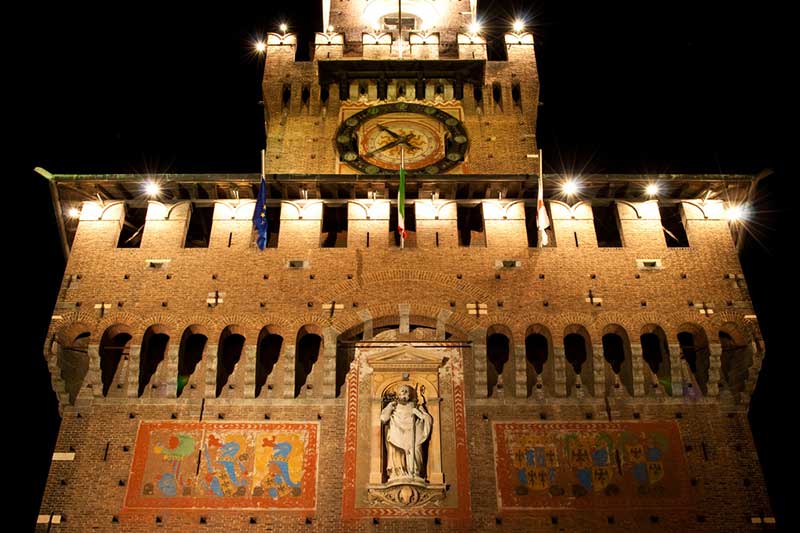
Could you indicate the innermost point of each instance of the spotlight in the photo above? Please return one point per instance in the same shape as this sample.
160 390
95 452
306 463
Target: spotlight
736 213
73 212
330 28
283 27
519 25
652 189
475 28
260 46
570 187
152 188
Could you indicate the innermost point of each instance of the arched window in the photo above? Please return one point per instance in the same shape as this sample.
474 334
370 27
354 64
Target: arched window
73 361
497 352
694 350
577 352
193 344
736 359
656 354
154 347
536 355
229 353
114 348
617 353
269 351
308 349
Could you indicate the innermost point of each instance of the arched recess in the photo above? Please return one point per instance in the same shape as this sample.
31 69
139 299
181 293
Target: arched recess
73 364
114 349
231 344
655 352
190 354
617 353
267 355
499 366
308 349
154 348
578 355
695 355
736 358
538 360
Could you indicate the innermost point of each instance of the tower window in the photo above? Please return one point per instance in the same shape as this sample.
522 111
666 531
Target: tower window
286 94
401 89
470 225
516 94
132 228
198 234
672 224
334 226
305 94
606 226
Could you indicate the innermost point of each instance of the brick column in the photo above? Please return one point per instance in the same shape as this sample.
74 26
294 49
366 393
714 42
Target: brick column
210 389
675 369
288 370
599 370
714 365
171 370
637 369
249 354
134 359
559 371
330 339
521 381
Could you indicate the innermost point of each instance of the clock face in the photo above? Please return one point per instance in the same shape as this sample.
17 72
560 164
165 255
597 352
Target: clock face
431 140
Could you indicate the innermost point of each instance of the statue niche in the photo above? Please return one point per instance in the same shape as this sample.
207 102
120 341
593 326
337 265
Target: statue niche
405 449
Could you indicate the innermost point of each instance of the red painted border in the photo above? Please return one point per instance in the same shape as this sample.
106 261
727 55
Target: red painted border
507 500
307 502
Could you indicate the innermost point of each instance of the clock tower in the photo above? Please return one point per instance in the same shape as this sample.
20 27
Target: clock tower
526 357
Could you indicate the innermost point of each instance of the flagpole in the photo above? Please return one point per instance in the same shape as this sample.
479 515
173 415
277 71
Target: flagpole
401 197
400 28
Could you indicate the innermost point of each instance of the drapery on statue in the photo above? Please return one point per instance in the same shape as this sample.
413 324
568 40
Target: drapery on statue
409 426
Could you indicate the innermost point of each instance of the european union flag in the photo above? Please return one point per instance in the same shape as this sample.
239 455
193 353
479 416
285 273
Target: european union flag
260 216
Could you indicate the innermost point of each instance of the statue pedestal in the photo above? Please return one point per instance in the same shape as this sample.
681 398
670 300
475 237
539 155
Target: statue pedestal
406 492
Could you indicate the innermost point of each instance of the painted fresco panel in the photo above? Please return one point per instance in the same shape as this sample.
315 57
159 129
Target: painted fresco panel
181 465
584 465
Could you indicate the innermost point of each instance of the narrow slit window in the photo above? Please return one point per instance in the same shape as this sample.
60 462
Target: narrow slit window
334 226
324 94
286 94
198 233
305 94
132 227
516 94
497 93
607 226
470 225
673 226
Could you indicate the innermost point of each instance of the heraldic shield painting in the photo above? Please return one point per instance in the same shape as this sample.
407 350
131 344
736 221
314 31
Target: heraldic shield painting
587 465
224 465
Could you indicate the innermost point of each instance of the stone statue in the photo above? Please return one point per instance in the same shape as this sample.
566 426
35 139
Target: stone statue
409 426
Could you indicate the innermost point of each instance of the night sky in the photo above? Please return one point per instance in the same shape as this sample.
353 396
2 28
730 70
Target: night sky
639 87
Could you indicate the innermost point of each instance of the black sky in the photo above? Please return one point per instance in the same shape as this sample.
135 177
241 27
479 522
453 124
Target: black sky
646 86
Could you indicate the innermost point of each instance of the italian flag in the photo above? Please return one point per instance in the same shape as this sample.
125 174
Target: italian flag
401 201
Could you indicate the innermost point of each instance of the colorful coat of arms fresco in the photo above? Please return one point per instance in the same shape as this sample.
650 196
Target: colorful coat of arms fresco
584 465
224 465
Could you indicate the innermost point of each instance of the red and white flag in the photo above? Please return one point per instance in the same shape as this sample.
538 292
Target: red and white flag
542 220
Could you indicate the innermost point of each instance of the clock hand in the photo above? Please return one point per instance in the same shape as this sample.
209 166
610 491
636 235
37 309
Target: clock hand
385 147
387 130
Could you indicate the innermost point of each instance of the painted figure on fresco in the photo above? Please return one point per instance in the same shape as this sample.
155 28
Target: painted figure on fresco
409 427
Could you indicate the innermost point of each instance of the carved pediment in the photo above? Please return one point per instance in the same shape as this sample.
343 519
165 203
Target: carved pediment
407 358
